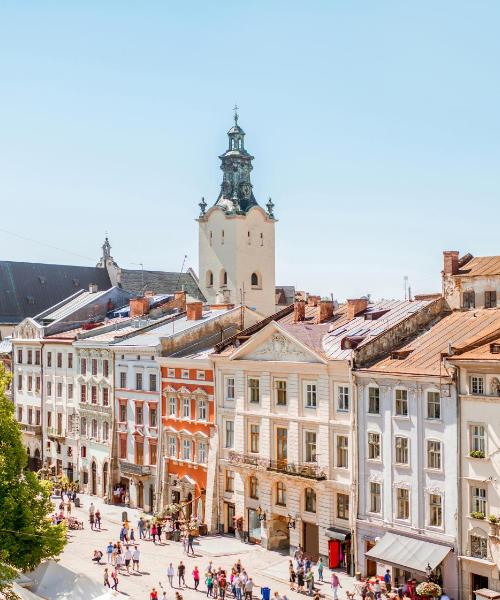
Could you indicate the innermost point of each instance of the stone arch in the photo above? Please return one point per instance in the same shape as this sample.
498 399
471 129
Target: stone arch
256 280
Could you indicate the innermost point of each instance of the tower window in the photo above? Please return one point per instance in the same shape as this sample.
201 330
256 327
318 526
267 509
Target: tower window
255 280
249 238
261 239
222 237
210 279
210 237
223 277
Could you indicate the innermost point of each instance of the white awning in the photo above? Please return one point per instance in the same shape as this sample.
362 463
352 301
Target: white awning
411 553
189 480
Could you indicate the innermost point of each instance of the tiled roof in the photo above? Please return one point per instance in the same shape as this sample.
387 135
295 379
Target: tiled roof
159 282
425 351
27 289
482 352
79 300
481 266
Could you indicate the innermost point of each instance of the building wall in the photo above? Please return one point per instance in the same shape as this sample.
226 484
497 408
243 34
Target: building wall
454 287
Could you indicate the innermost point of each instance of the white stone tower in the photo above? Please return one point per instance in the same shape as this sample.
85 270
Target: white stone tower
236 236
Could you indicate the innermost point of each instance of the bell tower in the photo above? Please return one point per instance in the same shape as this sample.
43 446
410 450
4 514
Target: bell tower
236 236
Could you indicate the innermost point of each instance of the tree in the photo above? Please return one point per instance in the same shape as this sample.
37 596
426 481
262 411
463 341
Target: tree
27 535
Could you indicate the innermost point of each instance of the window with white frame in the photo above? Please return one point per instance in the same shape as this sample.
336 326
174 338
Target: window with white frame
229 483
342 506
105 431
402 503
83 426
254 438
374 400
171 373
342 452
310 446
172 446
202 409
478 545
477 385
401 450
229 388
310 500
401 403
478 438
281 397
94 428
200 375
185 373
433 405
342 398
375 497
186 408
373 445
186 449
172 406
229 434
435 510
253 390
433 454
311 398
478 499
202 452
59 389
49 388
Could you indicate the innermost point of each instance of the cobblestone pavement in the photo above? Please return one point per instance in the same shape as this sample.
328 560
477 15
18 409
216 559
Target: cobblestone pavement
269 569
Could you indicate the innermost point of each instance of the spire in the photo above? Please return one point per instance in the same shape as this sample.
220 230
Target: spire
235 114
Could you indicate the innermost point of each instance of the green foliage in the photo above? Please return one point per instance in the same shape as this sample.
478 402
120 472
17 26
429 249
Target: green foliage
27 535
476 454
493 519
475 514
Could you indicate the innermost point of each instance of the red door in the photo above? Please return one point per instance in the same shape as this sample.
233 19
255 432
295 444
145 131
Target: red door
333 554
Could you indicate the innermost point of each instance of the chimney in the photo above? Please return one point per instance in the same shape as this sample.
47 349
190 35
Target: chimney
450 262
139 306
299 311
325 311
313 300
355 306
194 311
93 288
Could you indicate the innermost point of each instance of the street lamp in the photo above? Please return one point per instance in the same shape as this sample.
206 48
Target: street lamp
428 571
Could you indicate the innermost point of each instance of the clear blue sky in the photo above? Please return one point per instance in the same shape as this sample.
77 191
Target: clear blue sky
375 128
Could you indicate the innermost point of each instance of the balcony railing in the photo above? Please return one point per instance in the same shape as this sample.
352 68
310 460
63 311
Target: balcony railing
32 429
128 468
54 432
307 470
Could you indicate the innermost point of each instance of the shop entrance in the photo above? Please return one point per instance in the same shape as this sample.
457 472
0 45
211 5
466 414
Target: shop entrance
254 530
478 582
140 495
310 539
230 514
371 565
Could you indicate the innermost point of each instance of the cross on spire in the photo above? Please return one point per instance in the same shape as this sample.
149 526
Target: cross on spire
235 114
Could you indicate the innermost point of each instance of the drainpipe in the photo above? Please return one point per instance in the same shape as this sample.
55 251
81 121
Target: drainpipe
159 450
355 471
42 403
112 448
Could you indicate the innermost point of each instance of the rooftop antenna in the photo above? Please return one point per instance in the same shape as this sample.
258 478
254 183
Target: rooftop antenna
405 278
142 274
181 272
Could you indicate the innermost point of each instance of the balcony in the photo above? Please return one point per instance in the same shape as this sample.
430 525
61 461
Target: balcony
31 429
128 468
308 471
56 434
89 407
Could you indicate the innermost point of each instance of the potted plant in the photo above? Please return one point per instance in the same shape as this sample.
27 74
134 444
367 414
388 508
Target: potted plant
477 454
476 514
428 589
493 519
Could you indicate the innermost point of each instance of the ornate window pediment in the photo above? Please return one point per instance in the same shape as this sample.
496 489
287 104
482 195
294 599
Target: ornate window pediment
279 347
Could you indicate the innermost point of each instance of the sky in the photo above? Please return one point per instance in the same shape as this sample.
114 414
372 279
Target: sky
375 128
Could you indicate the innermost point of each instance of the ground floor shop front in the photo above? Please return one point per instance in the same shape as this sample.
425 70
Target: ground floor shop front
134 486
478 574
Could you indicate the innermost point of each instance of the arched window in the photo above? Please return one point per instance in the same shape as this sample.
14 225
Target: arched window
254 280
281 493
83 426
310 500
254 488
210 278
223 277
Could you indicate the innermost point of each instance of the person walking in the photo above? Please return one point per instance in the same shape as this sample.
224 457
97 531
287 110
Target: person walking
335 586
292 575
190 539
170 574
148 529
222 585
209 582
106 578
109 551
249 589
114 577
320 567
196 577
136 555
153 595
310 582
154 532
128 557
387 580
91 520
98 519
132 535
140 527
181 570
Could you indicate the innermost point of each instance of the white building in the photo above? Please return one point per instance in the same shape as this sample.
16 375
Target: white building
236 237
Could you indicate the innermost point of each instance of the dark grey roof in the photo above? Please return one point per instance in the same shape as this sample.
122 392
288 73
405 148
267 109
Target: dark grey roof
288 293
159 282
27 289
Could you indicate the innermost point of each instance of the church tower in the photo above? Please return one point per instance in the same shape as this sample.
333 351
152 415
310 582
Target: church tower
236 236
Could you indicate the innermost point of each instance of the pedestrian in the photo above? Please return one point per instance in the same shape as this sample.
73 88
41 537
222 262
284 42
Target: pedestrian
209 582
178 596
222 585
140 527
128 557
106 578
91 509
335 586
320 566
158 531
170 574
310 582
292 575
132 535
114 577
154 532
118 562
135 559
98 518
114 554
153 595
387 580
377 590
109 551
181 569
164 595
190 539
148 528
249 589
91 520
196 577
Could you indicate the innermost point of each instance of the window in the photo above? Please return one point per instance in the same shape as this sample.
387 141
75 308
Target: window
93 394
139 414
433 405
123 446
374 401
229 481
490 299
30 383
20 413
94 366
94 428
229 388
153 416
200 375
105 431
478 500
49 419
281 392
477 385
343 398
342 506
83 366
171 373
70 391
83 426
139 452
401 403
38 417
469 300
210 275
152 453
49 359
19 382
202 410
123 412
59 390
435 510
373 445
281 493
123 379
185 373
172 406
20 356
402 503
84 455
229 434
138 381
37 384
375 497
30 356
105 396
37 357
83 393
59 360
311 395
254 488
254 438
433 454
30 416
478 439
342 451
186 408
401 450
172 446
254 390
70 360
478 546
49 388
202 452
105 368
224 277
254 280
310 443
310 500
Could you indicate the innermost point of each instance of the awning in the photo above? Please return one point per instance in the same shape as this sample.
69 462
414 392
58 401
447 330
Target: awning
336 534
189 480
401 551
